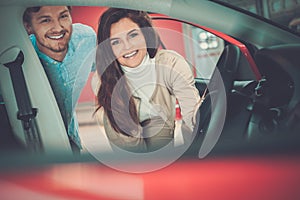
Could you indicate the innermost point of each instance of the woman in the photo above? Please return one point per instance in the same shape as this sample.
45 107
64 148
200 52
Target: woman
139 84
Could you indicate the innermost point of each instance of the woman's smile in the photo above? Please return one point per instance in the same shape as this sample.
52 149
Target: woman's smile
130 55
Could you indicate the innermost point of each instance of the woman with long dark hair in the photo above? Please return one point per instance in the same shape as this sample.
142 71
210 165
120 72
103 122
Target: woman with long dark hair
139 84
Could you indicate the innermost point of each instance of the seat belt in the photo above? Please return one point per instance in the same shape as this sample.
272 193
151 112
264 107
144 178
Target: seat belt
25 113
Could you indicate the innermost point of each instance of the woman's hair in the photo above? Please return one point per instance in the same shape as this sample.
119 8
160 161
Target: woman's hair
114 94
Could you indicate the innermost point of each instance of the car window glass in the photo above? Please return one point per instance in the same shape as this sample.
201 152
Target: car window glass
200 48
203 49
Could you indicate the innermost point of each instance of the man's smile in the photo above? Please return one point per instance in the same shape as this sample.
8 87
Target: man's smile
56 37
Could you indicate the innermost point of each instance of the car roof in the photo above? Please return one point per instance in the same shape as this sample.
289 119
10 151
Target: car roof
207 13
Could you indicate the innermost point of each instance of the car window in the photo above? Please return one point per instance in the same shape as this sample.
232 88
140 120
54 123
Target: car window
200 48
203 49
283 12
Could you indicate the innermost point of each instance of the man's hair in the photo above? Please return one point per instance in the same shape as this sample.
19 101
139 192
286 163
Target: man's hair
30 10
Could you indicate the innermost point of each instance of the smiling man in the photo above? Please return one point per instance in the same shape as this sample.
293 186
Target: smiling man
63 49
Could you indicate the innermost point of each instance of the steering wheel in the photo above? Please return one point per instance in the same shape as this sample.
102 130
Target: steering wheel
228 65
212 112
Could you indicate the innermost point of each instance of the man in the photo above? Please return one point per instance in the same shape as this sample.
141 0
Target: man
63 49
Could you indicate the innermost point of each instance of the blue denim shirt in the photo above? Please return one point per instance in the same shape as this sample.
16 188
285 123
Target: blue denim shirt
67 78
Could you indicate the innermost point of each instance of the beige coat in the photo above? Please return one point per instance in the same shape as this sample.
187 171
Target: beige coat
174 80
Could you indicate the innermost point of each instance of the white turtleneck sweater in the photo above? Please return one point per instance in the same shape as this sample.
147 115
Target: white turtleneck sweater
142 80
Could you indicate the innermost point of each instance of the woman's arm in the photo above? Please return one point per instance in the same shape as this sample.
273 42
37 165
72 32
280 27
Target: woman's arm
180 81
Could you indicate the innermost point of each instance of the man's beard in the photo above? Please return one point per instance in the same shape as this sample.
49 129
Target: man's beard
51 45
59 50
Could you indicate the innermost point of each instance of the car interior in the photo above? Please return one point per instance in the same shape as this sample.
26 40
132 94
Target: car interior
246 144
264 107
